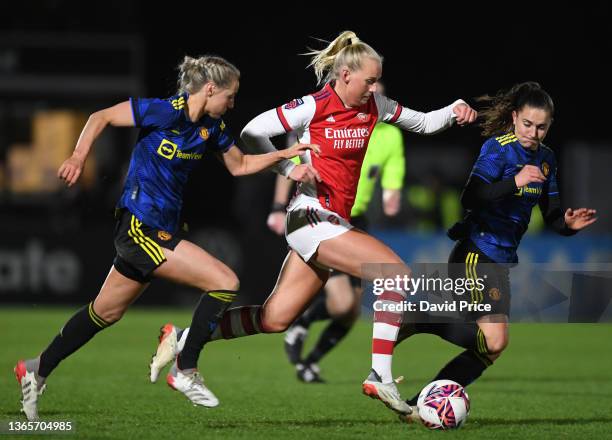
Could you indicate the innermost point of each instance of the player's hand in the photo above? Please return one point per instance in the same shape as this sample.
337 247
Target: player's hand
71 170
529 174
305 173
299 150
578 219
392 201
276 222
465 114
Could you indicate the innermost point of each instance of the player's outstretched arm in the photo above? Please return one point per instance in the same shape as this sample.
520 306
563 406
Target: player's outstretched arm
119 115
240 164
256 136
424 123
565 223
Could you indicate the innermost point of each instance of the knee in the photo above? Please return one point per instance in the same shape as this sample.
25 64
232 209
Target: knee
271 323
493 357
496 344
341 309
227 281
232 282
274 325
111 315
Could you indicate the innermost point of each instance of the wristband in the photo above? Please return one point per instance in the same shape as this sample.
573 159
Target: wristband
278 207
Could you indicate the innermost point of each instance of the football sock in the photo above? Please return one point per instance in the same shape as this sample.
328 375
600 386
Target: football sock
205 320
316 312
239 321
333 333
469 365
384 333
463 369
77 331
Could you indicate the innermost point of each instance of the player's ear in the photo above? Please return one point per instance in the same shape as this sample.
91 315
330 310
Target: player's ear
345 74
209 88
514 117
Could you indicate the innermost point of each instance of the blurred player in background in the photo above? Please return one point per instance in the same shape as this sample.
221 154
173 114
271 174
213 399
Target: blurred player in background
174 135
514 172
341 303
340 119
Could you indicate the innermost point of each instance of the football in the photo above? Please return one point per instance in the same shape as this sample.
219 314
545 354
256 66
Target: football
443 404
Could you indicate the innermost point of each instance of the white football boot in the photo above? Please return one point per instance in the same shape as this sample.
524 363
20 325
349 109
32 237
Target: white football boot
32 386
413 417
190 383
387 393
167 350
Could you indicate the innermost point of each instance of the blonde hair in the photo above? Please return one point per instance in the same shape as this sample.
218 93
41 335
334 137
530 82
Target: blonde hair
346 50
195 72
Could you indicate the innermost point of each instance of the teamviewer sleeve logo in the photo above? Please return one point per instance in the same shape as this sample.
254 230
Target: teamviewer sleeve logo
167 149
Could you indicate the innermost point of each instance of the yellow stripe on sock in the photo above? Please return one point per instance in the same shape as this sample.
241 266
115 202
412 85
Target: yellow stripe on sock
95 318
485 360
222 296
482 343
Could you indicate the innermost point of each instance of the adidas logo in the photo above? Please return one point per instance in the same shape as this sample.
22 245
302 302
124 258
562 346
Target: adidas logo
331 119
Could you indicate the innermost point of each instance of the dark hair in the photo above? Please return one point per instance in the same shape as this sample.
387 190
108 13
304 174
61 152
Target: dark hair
497 114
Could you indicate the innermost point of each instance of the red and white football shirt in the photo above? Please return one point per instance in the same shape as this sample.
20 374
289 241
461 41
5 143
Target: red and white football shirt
343 135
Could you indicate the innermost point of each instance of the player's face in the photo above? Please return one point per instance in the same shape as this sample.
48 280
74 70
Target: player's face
222 100
362 83
531 125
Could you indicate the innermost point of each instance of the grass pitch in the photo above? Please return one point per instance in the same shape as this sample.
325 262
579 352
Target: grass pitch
554 381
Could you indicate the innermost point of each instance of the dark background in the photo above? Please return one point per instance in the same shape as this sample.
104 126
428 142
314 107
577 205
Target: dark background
432 56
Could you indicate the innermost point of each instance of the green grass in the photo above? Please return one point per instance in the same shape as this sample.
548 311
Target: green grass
554 381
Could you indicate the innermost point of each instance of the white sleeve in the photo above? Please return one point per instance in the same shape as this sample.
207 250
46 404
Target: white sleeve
297 114
411 120
294 115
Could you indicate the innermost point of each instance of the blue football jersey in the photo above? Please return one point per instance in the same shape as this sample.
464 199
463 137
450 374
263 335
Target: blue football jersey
498 227
169 146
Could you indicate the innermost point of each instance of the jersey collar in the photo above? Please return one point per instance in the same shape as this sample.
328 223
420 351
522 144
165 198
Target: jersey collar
330 88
